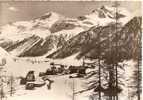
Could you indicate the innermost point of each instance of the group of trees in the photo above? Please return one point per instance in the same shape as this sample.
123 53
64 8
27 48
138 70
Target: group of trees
7 83
107 82
7 86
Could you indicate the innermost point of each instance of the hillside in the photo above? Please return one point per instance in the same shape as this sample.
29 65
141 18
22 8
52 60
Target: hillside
86 43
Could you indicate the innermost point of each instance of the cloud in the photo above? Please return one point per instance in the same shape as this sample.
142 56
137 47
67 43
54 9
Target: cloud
13 9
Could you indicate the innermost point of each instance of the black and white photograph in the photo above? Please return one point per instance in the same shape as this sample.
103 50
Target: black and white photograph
70 50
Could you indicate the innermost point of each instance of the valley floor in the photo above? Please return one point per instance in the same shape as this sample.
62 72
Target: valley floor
61 89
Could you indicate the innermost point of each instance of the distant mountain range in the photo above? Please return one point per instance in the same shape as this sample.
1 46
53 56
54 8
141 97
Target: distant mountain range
56 36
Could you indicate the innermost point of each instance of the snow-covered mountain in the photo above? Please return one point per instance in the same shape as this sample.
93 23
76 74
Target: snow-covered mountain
49 32
20 37
87 43
105 15
38 26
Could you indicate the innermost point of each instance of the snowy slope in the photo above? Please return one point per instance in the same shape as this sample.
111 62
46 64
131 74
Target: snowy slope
15 31
5 55
105 15
67 34
19 67
39 27
61 89
9 62
48 19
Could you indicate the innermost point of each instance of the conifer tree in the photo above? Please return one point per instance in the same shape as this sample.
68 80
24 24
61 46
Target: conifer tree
12 85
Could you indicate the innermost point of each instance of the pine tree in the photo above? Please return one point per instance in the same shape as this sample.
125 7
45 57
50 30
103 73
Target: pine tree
1 86
73 90
12 85
97 74
116 47
137 76
112 59
1 79
72 86
136 83
115 55
1 91
139 59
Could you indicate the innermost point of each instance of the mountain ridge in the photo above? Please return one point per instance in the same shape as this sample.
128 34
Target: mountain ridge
53 31
86 43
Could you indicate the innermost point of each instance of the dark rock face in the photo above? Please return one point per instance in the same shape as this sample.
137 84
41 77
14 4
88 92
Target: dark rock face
61 26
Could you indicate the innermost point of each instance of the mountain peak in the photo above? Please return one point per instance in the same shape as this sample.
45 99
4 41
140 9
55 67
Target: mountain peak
107 14
110 10
102 7
51 12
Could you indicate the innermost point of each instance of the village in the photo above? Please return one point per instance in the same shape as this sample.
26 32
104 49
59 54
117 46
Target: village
55 69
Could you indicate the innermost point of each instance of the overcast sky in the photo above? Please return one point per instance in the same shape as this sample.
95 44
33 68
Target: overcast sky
19 11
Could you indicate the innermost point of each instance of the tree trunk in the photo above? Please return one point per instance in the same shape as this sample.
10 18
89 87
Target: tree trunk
139 76
73 89
116 68
99 72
